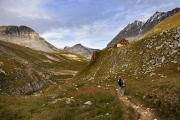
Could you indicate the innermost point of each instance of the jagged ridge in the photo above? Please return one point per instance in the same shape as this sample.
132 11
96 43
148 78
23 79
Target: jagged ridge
137 29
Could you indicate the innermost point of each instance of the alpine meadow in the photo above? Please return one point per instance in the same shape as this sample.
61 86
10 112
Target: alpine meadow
89 60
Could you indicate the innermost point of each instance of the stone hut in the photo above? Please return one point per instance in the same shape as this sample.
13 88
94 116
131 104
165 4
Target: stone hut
122 42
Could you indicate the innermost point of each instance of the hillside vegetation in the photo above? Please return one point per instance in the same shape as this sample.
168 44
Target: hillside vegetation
37 85
150 66
24 71
66 101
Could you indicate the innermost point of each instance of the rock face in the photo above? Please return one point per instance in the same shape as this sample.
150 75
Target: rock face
30 87
25 36
81 50
95 55
137 29
157 18
130 31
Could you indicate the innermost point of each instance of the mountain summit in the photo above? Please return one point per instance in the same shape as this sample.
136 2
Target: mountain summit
81 50
130 30
156 18
137 29
25 36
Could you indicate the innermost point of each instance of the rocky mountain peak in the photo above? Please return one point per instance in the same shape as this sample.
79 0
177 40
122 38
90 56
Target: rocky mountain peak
78 45
81 50
135 24
138 22
138 28
130 30
157 13
25 36
16 30
175 10
156 16
25 29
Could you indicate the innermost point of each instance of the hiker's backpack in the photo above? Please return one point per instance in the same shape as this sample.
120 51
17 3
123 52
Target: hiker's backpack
121 83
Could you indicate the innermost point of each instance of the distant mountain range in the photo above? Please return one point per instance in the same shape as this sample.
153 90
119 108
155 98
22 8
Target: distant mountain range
138 29
81 50
25 36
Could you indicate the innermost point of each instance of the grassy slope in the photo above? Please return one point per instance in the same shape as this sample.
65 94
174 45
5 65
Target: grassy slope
150 67
97 83
65 102
62 100
22 66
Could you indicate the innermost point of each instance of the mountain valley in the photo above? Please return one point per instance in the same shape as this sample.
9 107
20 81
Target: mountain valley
41 82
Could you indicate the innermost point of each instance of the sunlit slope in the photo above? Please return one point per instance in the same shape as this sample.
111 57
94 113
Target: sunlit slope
150 66
23 70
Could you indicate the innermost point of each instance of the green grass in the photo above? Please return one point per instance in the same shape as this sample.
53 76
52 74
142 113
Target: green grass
42 105
105 105
23 66
131 62
149 80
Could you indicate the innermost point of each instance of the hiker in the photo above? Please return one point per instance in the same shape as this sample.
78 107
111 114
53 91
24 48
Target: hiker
122 86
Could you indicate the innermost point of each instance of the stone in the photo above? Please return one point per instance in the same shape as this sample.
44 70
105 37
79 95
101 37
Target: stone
107 114
88 103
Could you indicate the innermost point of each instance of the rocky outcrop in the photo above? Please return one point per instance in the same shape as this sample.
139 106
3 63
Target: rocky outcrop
29 88
21 31
137 29
95 55
25 36
81 50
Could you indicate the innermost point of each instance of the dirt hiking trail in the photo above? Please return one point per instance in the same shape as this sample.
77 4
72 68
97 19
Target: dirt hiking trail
144 113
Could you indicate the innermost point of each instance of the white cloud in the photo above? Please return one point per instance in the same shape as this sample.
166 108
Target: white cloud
95 35
31 9
68 22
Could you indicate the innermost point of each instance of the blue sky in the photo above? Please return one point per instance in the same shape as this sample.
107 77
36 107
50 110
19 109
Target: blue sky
92 23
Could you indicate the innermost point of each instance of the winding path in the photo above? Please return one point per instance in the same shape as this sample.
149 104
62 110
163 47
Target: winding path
144 113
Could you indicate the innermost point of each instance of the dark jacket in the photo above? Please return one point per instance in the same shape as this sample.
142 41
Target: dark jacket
121 83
